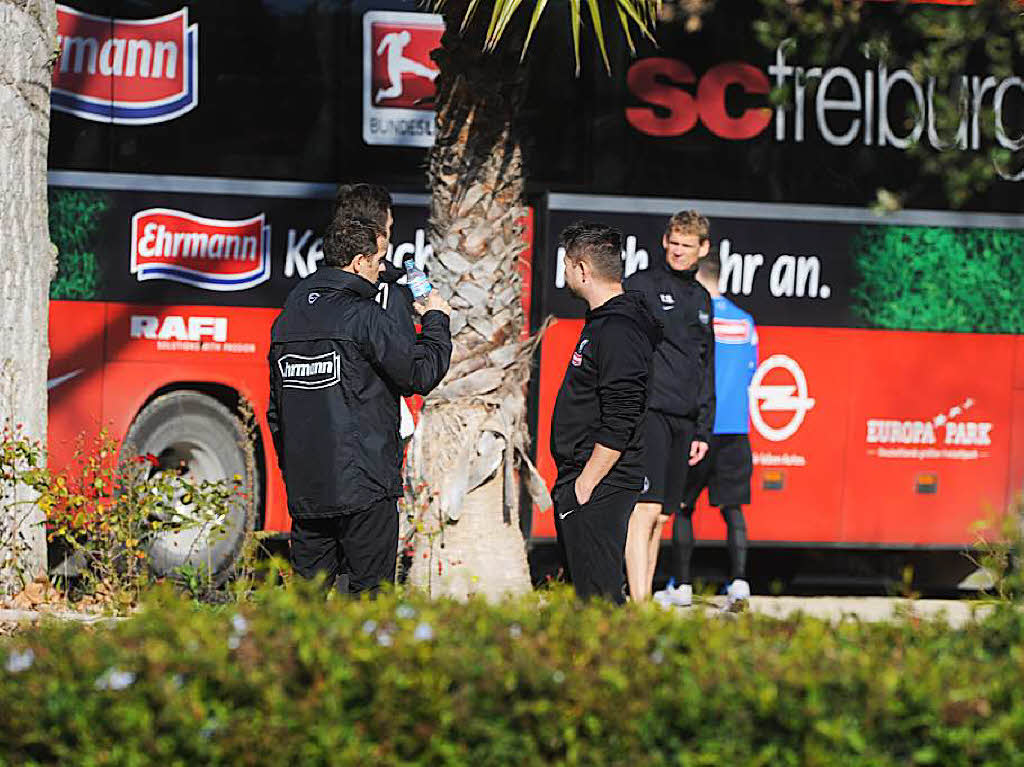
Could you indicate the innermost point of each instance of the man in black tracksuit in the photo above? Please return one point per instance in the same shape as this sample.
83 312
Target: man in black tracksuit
597 428
338 365
682 402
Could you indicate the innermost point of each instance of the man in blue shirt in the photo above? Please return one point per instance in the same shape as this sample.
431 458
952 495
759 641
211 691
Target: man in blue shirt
728 466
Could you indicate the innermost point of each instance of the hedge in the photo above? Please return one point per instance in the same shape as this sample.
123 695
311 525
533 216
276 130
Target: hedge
541 680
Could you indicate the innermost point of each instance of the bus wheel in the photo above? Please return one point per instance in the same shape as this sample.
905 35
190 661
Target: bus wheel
198 436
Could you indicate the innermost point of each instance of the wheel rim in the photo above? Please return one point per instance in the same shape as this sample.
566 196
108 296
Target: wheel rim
184 531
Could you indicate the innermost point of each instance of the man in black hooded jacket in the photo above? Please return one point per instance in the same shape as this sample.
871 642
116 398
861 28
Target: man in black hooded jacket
597 428
338 365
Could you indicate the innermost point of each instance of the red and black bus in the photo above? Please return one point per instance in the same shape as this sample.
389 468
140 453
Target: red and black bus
195 151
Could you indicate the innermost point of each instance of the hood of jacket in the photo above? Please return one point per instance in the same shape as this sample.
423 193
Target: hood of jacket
391 273
633 305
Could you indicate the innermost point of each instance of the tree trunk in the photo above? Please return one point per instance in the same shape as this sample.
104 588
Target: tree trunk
472 432
28 35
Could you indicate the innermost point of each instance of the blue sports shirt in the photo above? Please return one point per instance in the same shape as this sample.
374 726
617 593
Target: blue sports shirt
735 363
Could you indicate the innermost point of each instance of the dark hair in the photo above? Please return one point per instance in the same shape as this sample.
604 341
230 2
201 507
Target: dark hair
369 201
689 222
598 245
710 266
347 238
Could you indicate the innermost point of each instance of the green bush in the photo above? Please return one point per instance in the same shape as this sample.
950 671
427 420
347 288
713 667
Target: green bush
290 679
931 278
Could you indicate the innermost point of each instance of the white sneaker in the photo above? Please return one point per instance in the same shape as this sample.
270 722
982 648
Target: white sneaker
737 595
679 596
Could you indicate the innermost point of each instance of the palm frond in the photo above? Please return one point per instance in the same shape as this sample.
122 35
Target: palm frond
642 14
538 11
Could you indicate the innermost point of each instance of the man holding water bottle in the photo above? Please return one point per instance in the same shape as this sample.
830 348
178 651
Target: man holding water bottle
338 367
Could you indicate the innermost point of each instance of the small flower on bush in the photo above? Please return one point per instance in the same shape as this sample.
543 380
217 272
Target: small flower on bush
115 679
20 660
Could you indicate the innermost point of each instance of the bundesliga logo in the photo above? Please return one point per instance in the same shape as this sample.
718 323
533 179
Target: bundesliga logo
202 252
398 77
125 71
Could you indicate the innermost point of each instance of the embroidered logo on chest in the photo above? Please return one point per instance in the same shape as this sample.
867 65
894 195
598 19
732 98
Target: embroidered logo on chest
577 356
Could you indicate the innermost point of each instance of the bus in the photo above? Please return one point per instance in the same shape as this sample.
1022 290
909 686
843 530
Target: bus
189 191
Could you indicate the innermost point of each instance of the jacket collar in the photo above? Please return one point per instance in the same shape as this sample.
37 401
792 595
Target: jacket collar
331 277
689 275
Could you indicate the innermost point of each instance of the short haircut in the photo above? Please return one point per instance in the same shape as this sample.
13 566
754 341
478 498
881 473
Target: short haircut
710 266
369 201
598 245
689 222
347 238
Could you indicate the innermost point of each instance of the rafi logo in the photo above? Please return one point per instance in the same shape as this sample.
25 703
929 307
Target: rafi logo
125 71
732 331
577 356
176 328
301 372
398 77
206 253
785 392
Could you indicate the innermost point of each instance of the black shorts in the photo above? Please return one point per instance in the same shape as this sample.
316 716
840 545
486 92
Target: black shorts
725 471
667 450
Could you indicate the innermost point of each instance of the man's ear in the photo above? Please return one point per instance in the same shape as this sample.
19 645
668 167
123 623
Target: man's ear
705 247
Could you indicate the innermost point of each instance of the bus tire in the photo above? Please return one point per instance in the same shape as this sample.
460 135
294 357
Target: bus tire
195 428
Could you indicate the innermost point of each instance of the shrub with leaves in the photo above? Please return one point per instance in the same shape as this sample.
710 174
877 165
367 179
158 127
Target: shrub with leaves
105 508
542 680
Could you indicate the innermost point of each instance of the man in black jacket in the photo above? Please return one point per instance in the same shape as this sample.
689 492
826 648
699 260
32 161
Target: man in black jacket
598 423
338 365
373 202
682 391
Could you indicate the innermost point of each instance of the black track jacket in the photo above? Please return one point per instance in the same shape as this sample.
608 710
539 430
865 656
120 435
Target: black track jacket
338 364
604 394
684 362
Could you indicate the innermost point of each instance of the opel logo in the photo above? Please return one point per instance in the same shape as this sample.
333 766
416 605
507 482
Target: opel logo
779 398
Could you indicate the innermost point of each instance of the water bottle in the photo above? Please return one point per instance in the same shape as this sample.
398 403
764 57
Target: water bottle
418 282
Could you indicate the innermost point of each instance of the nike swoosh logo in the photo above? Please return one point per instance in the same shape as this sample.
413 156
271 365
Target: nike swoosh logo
563 516
53 383
668 308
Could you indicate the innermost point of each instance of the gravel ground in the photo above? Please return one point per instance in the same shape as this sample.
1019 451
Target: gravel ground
955 612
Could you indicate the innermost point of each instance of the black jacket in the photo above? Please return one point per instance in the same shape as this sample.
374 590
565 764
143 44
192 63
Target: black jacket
396 299
338 364
684 362
604 394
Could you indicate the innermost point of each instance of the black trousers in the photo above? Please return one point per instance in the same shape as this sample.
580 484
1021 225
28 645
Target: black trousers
592 538
361 548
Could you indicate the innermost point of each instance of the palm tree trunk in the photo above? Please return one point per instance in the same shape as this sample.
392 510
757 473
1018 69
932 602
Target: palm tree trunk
473 426
28 35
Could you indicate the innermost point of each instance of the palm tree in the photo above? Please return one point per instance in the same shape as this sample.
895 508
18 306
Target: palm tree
472 434
28 33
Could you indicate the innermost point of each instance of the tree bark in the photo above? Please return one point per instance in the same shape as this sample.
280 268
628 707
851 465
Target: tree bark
471 439
28 34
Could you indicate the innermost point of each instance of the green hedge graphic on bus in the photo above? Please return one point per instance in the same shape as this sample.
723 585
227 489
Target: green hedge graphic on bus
939 279
74 220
